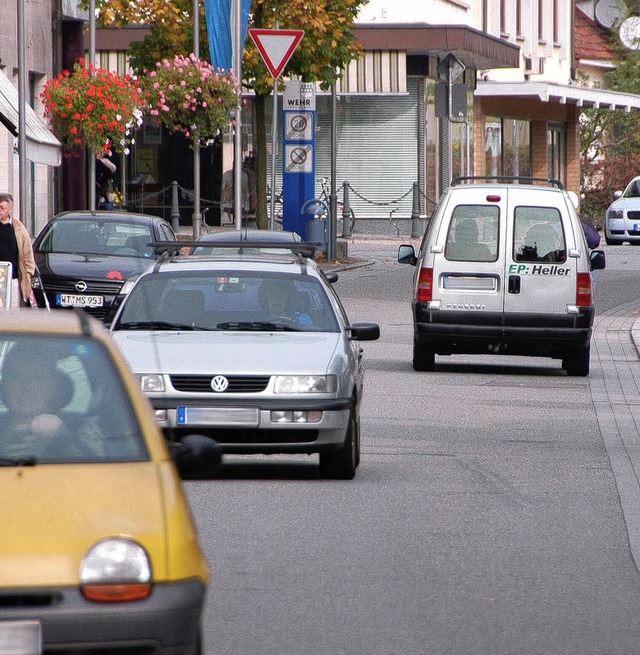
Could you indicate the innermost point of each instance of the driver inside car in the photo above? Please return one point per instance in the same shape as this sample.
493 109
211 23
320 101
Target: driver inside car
35 392
283 303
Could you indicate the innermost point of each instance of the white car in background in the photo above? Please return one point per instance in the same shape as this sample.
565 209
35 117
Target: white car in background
622 220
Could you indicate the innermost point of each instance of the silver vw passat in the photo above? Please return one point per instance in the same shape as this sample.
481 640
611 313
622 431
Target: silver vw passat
253 350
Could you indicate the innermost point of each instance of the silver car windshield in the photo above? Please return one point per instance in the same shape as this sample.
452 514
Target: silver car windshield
61 401
228 300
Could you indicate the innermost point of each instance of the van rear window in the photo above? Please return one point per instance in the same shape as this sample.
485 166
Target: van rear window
538 235
473 234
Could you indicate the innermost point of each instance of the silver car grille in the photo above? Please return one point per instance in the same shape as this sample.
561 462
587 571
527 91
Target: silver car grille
237 383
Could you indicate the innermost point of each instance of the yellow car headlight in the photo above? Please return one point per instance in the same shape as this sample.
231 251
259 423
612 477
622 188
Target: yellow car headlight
115 571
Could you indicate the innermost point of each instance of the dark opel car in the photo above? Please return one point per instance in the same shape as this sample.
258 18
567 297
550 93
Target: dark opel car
85 257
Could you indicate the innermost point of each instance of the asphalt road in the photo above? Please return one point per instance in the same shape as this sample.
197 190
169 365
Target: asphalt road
496 510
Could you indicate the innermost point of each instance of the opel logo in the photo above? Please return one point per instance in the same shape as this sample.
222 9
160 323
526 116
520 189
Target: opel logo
81 286
219 383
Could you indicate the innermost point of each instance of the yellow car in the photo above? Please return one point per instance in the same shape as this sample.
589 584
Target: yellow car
98 548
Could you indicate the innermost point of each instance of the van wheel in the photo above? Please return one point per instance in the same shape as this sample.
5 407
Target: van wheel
577 364
612 242
341 464
423 358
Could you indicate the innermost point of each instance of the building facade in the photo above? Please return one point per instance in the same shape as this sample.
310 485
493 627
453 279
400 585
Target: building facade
42 151
513 110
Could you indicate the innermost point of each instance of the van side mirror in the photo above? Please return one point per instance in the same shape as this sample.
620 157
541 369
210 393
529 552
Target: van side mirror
617 194
597 260
407 255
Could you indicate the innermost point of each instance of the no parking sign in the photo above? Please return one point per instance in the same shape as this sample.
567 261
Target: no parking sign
298 162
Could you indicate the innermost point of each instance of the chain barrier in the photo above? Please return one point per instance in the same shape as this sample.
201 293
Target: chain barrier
379 203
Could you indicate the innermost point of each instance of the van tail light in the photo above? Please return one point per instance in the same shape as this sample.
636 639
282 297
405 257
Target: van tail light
583 290
425 285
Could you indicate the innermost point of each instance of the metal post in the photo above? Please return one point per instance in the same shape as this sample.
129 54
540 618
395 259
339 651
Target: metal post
274 136
175 209
237 161
346 213
415 211
196 218
90 63
22 136
274 133
333 196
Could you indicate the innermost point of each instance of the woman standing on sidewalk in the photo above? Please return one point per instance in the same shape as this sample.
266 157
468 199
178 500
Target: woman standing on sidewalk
16 248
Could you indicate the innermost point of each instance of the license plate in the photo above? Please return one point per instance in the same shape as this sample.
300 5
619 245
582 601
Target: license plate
20 638
247 416
78 300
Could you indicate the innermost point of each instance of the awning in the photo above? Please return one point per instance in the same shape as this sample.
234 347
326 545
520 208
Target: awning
560 93
42 147
473 48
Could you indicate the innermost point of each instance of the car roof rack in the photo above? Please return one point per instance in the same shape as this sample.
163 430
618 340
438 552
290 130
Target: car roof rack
506 179
171 248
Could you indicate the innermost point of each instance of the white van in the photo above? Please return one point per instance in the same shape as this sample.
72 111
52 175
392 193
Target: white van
504 269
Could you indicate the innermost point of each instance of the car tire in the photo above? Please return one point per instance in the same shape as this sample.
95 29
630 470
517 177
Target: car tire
340 464
424 359
577 364
612 242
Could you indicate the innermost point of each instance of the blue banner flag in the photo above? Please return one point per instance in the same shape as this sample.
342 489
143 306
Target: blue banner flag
220 16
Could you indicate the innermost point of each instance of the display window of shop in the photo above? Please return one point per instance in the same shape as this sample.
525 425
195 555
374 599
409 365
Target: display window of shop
557 152
507 146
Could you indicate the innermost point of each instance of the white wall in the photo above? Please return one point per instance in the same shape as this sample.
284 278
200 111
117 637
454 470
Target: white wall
558 55
434 12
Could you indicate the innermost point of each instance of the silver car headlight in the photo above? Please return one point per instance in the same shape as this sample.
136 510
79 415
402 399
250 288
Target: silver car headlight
151 382
115 571
306 384
615 213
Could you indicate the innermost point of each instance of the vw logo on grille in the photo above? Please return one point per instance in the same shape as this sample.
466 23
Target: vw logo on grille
219 383
81 286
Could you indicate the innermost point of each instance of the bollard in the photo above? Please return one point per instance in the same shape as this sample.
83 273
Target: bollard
346 212
415 211
175 210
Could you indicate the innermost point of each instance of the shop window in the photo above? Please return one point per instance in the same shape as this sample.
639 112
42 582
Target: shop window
507 147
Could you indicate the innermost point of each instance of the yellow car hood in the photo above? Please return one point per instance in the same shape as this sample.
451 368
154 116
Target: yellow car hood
52 514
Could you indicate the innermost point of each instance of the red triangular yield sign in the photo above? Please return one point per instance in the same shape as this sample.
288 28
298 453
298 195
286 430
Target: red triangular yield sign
276 47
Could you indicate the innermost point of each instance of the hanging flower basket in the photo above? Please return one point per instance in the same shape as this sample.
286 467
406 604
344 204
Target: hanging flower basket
94 108
187 95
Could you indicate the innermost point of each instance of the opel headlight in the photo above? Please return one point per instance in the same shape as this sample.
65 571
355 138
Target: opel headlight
116 570
616 213
306 384
151 382
128 284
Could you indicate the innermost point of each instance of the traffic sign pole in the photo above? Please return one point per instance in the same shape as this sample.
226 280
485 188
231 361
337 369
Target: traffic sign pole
276 48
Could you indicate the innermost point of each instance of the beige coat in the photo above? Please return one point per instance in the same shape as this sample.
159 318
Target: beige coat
26 260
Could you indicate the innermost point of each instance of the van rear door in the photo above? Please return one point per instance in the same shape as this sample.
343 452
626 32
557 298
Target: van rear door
540 275
468 257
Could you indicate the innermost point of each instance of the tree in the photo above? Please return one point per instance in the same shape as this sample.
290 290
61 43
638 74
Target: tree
327 47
